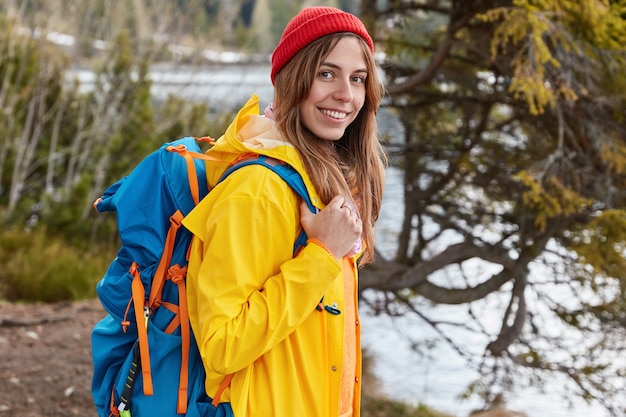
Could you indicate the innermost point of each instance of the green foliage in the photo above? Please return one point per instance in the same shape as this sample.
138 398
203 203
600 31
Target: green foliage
31 78
38 266
601 244
551 199
378 407
282 12
95 138
538 33
529 31
124 87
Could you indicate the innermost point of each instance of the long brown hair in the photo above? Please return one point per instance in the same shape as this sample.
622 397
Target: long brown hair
354 165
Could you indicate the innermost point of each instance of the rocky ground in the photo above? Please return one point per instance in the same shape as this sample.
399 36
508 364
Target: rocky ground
45 358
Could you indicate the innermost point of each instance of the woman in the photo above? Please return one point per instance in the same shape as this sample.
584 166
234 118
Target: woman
254 306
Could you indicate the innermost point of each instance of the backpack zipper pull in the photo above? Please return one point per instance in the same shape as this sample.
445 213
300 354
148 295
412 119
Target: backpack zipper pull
146 315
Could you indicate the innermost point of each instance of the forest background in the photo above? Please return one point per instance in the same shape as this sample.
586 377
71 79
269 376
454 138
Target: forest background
513 157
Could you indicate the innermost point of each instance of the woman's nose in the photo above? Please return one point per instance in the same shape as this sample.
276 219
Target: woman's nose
343 91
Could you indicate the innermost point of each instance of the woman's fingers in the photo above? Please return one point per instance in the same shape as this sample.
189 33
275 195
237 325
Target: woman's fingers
337 226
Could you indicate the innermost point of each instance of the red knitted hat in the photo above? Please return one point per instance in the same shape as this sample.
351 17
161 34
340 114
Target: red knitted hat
311 24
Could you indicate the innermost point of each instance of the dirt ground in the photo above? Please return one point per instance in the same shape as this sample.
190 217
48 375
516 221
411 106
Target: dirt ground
45 358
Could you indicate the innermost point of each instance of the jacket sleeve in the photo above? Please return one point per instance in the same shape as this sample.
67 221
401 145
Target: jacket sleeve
246 291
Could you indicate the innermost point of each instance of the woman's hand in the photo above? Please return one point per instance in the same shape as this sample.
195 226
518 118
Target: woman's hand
337 226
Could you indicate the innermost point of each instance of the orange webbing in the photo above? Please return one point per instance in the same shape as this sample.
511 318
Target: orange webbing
177 275
173 325
193 177
139 296
166 258
191 167
225 383
125 322
243 157
162 273
206 139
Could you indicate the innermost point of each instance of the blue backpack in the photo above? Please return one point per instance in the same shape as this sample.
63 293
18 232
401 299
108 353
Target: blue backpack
146 360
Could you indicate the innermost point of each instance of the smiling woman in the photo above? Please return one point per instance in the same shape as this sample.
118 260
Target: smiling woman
312 87
279 333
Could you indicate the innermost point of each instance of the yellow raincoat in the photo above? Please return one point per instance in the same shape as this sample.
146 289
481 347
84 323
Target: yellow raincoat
252 305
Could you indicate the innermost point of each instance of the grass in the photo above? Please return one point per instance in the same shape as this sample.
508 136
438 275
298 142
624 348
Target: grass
39 267
384 407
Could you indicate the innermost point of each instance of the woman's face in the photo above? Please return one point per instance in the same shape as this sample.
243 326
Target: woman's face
338 91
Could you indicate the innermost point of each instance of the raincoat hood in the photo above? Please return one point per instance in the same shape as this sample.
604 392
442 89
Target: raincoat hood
251 132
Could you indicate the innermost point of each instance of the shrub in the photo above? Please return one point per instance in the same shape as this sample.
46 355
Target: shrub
384 407
41 267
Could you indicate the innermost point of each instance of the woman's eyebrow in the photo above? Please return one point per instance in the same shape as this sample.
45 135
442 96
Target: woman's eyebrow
335 66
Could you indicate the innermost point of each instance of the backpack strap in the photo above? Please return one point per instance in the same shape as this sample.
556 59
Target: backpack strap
190 156
166 258
223 385
178 275
141 318
284 170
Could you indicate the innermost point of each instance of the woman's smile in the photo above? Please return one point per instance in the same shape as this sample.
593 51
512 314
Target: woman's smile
335 114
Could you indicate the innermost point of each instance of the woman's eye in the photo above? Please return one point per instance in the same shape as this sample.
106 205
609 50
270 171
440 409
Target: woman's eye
358 79
326 74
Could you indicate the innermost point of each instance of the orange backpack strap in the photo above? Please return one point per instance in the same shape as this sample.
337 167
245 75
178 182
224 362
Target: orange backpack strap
225 383
177 275
141 317
166 258
191 167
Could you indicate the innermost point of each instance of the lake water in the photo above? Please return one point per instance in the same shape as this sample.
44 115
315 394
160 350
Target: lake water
435 379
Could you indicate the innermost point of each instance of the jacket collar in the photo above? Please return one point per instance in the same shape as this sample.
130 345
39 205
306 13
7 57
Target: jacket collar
252 132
